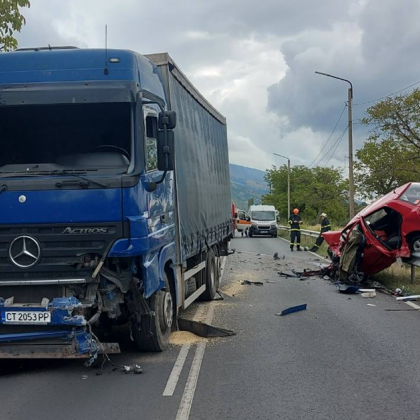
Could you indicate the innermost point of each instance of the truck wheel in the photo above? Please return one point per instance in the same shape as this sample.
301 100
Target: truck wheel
275 235
154 331
211 277
250 235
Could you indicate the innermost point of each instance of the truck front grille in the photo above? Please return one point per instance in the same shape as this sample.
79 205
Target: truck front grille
62 255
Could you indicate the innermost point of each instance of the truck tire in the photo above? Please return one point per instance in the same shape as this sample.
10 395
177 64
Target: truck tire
212 277
250 235
154 331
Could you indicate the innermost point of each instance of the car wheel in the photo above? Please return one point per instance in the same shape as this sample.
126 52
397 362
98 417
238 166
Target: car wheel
250 234
415 244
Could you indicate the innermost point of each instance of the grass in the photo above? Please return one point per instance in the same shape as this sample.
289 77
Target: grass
400 277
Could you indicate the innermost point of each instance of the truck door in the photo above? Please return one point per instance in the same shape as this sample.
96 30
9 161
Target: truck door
160 201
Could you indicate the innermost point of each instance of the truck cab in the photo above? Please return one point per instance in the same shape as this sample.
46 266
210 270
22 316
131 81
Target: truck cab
93 227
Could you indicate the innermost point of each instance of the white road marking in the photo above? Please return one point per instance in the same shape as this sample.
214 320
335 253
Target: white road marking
176 371
413 305
189 391
310 252
183 353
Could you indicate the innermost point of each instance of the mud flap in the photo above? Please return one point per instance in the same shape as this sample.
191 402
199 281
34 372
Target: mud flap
203 330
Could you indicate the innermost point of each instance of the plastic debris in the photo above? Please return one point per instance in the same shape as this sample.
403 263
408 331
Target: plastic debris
369 294
349 290
292 310
412 297
276 256
398 292
84 377
248 282
203 330
370 304
127 369
138 369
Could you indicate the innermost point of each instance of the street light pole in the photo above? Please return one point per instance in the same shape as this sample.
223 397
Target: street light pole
350 130
288 183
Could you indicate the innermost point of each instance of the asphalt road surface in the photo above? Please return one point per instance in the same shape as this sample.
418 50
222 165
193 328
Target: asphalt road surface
340 359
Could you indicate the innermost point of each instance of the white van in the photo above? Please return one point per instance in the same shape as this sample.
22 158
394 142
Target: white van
263 221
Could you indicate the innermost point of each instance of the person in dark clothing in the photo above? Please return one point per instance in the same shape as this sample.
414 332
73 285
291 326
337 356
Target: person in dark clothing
325 227
295 222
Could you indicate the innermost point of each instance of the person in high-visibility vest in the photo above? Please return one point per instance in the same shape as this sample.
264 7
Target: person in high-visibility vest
295 222
325 227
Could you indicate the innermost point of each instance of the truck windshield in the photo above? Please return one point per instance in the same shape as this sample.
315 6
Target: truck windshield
263 216
89 136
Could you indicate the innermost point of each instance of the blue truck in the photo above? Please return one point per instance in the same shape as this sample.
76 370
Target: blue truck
115 204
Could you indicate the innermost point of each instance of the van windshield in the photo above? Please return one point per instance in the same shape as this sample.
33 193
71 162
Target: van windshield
263 216
90 136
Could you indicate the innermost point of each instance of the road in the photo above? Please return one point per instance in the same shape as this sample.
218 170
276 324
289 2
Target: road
339 359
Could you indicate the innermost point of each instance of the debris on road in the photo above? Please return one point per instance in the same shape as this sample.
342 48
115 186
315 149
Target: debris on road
412 297
344 288
203 330
369 294
370 304
137 369
292 310
398 292
276 256
248 282
84 377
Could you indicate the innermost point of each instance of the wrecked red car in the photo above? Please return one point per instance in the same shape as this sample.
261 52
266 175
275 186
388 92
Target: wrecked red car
385 230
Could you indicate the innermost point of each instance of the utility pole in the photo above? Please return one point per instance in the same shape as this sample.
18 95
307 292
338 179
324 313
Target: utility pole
351 178
288 183
350 130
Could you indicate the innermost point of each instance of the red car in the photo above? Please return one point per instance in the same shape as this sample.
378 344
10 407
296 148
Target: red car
383 231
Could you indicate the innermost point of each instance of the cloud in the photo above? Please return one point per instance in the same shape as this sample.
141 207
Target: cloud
255 61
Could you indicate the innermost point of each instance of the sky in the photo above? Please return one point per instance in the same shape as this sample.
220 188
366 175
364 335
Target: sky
255 61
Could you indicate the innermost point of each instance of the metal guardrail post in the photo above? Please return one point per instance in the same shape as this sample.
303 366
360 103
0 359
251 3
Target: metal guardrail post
413 274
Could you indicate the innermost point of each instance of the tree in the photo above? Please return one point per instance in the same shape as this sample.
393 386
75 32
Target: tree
251 202
11 20
380 167
313 191
391 154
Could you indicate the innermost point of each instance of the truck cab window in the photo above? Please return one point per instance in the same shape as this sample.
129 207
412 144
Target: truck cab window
151 143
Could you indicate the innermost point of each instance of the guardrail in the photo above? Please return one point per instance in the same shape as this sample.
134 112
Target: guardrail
311 233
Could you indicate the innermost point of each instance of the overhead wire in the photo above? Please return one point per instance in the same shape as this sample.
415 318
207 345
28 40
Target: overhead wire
335 144
389 95
339 140
329 137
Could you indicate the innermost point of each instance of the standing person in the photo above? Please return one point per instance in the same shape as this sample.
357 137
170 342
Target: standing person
325 227
295 222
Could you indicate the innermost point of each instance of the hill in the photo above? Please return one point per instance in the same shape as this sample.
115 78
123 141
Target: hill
247 183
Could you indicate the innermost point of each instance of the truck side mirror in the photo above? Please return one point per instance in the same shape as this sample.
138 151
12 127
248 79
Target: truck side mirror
165 150
167 120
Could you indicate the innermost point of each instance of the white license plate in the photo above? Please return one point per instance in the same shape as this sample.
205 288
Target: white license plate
264 231
26 317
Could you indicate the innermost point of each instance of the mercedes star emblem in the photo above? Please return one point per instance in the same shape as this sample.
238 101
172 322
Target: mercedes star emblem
24 251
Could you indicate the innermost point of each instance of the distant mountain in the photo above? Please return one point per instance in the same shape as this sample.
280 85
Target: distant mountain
247 183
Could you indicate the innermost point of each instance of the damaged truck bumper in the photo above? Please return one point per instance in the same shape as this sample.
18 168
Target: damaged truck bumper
53 329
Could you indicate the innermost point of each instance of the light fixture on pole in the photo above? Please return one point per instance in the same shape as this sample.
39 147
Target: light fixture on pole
350 129
288 183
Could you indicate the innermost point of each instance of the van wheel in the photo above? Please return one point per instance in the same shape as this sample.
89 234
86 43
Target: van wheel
212 277
153 333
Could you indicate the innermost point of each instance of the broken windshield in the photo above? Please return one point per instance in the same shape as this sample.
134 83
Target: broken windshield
54 137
